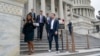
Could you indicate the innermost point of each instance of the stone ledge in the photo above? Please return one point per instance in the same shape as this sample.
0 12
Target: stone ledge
10 9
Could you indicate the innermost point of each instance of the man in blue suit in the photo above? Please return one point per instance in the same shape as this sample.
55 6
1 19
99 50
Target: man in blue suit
53 32
41 20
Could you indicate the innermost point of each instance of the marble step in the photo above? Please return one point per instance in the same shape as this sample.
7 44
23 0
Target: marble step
43 48
45 41
54 43
46 49
25 51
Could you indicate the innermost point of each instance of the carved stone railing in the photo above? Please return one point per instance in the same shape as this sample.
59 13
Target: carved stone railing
10 8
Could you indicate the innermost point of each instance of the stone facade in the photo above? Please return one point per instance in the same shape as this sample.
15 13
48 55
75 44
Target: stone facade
10 25
83 15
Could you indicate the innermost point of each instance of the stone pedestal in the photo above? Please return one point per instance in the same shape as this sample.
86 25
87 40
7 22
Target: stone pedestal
10 24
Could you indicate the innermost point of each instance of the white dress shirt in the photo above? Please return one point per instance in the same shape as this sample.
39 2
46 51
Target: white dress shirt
52 23
41 18
33 14
48 18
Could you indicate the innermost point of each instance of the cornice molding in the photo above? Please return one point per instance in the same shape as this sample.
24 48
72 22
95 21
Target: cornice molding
9 8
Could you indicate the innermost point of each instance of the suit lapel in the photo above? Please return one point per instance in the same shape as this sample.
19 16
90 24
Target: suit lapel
39 18
54 23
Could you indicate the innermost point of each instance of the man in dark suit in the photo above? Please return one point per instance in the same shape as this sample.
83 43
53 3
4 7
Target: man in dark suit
53 32
41 20
47 23
33 14
70 27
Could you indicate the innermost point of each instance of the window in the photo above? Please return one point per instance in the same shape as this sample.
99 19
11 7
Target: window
97 28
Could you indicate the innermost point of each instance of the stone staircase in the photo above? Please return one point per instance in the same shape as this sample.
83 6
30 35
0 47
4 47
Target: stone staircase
42 46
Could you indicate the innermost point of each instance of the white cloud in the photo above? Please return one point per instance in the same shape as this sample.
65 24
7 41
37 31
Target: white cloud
96 5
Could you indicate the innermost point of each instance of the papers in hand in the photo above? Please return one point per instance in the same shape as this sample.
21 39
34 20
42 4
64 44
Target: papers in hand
36 24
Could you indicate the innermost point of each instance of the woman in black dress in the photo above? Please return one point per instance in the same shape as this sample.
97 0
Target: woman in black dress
28 31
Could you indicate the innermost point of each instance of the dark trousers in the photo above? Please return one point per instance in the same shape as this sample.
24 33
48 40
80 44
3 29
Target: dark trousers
40 31
47 30
50 39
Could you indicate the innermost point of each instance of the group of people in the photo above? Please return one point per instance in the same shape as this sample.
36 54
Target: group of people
32 21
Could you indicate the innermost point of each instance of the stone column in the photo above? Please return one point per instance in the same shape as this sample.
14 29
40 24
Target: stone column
84 12
75 1
78 1
84 1
30 5
66 14
43 6
34 5
53 6
89 13
71 12
80 11
61 9
81 1
76 11
93 14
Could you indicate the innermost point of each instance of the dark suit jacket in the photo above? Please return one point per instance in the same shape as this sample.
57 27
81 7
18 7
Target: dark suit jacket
47 23
55 26
70 27
43 19
34 16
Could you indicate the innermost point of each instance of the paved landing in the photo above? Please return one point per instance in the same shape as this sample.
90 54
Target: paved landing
87 52
97 54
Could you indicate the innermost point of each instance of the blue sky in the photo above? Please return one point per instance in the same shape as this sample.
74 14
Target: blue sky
96 5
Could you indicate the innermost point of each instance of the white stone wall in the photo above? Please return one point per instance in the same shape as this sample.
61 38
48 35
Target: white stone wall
9 34
10 24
